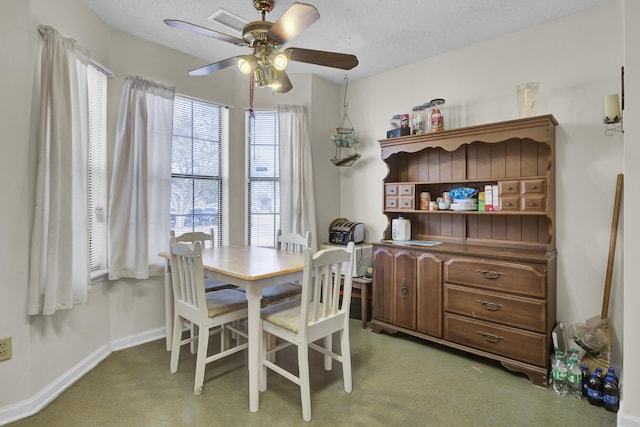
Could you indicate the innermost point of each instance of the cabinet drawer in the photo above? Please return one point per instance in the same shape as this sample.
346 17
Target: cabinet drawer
533 186
405 189
406 203
509 203
514 343
533 203
513 277
508 310
391 189
391 202
508 188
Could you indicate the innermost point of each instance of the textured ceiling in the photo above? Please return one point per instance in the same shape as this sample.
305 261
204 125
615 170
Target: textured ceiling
382 34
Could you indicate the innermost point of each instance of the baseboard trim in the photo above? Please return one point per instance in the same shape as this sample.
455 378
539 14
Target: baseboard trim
624 419
45 396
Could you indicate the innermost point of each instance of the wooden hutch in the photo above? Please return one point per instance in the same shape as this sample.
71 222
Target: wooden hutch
489 287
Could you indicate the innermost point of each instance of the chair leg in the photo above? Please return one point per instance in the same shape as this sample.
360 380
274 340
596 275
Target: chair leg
193 331
345 350
328 345
201 358
264 337
175 343
305 387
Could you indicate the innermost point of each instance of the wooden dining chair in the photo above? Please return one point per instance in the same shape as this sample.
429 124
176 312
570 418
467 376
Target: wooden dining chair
317 314
291 243
212 312
207 240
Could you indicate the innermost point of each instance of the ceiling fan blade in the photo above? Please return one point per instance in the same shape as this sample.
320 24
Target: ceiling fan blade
292 22
208 69
203 31
285 83
321 57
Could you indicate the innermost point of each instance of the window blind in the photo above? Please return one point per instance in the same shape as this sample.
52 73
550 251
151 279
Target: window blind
196 167
263 191
97 94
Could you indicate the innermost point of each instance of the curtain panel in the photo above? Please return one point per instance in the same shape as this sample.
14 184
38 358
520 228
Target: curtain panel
297 200
59 260
139 200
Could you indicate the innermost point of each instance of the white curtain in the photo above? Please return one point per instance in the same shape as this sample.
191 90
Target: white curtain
139 200
59 261
297 200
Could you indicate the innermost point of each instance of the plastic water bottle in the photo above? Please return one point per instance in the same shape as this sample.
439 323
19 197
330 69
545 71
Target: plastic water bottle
585 379
574 374
560 374
552 363
610 394
612 372
594 396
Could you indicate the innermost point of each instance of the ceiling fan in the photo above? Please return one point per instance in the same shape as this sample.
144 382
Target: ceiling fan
268 61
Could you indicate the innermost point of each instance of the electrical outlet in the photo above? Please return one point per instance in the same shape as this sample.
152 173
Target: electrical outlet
5 348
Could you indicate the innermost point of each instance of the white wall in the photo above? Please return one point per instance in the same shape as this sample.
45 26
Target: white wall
630 411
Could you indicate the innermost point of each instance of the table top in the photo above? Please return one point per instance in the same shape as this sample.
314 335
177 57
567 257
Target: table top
249 262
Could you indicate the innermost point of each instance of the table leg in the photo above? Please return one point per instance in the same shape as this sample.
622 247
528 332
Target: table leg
254 295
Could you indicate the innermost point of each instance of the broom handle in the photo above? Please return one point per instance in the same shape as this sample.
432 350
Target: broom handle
612 248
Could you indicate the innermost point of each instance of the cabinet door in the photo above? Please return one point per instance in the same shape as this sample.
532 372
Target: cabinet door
429 303
404 289
382 304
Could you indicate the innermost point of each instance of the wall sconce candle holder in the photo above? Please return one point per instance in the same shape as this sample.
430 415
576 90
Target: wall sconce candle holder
612 110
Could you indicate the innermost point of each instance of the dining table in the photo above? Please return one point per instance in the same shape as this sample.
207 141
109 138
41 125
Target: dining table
253 268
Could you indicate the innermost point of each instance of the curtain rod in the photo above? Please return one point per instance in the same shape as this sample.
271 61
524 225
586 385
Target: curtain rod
98 66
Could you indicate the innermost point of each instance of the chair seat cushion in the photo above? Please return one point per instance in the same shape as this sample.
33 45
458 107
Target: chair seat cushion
225 301
285 314
216 285
277 293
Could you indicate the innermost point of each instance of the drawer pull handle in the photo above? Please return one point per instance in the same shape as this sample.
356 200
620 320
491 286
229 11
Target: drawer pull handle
489 337
491 306
487 274
507 203
533 187
404 289
509 188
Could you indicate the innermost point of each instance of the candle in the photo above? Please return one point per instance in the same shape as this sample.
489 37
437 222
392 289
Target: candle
611 109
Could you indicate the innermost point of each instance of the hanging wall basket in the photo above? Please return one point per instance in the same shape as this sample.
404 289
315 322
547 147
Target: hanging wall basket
344 137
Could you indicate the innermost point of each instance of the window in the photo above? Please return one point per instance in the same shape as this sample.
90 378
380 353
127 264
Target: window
263 219
97 94
196 166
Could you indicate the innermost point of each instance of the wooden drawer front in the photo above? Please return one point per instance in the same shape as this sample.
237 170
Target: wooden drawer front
391 202
533 203
405 190
406 203
508 188
533 186
514 343
391 189
502 276
508 310
510 203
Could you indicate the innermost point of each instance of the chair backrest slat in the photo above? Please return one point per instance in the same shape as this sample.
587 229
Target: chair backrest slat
187 276
206 239
293 242
321 284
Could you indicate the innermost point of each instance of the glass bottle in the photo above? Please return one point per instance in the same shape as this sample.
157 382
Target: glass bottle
417 120
437 115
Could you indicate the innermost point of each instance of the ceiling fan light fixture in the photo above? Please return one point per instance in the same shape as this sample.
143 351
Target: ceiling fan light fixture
278 60
247 63
260 77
